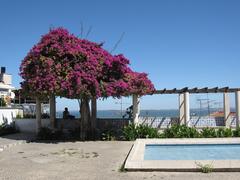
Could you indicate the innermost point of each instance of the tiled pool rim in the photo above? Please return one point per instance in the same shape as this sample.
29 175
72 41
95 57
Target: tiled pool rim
135 160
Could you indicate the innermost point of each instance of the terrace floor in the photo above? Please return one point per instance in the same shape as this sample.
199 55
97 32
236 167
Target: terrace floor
80 160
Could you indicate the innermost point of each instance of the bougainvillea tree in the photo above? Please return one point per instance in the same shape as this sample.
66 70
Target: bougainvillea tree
64 65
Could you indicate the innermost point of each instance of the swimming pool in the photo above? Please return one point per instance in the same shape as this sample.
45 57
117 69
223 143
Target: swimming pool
192 152
184 154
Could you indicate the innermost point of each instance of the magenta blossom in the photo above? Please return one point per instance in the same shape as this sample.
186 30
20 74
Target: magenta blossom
67 66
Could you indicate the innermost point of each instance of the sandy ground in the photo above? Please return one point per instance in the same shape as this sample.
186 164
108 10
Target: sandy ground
81 160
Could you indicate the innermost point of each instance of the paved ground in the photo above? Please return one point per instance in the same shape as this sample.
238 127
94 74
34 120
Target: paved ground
80 160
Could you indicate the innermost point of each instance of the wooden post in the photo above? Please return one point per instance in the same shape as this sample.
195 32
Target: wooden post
237 95
136 108
226 106
93 115
38 114
52 102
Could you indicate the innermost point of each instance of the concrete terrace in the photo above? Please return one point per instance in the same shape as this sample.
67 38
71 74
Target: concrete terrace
80 160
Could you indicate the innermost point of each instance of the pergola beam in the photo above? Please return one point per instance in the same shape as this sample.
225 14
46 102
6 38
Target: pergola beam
196 90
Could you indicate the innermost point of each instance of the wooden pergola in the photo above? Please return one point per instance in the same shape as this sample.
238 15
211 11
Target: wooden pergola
184 107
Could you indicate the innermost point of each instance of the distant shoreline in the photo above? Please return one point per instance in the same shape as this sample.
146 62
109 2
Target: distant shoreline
147 113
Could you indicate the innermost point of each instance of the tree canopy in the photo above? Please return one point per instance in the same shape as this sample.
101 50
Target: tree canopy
67 66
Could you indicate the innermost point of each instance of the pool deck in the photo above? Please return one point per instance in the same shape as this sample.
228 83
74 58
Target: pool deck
136 162
90 160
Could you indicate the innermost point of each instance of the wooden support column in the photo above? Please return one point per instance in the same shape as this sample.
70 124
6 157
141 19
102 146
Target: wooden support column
186 108
38 114
136 108
226 106
52 102
181 108
237 96
93 115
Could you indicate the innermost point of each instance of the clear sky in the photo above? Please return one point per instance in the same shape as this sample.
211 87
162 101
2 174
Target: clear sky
177 42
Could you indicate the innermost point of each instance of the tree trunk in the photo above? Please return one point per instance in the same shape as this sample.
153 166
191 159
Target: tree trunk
85 119
38 114
52 102
93 117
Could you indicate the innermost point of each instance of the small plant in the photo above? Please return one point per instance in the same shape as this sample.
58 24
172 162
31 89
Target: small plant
7 129
2 102
208 132
48 134
132 132
144 131
108 136
180 131
129 132
205 168
224 132
33 116
236 132
19 116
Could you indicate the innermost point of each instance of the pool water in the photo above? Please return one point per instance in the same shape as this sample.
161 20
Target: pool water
192 152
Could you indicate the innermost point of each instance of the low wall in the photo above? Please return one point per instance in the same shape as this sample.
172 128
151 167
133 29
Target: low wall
115 124
29 125
111 123
8 114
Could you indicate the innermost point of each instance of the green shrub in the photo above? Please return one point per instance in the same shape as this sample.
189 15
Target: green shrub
19 116
129 132
144 131
224 132
48 134
132 132
33 116
228 132
220 132
208 132
7 129
180 131
236 132
108 135
2 102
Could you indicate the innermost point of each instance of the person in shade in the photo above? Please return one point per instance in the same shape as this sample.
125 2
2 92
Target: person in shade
66 113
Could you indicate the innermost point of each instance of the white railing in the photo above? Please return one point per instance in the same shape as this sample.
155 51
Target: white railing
206 121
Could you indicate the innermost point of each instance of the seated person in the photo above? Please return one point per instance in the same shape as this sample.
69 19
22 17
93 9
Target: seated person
66 114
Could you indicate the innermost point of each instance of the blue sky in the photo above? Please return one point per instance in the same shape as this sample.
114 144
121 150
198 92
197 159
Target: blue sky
178 43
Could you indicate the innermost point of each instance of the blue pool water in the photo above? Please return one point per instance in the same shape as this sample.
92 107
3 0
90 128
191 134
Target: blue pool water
192 152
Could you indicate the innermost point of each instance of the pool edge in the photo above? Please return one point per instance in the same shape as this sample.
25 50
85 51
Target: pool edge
136 162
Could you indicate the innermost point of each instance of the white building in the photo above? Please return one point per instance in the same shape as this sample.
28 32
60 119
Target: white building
6 86
7 113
